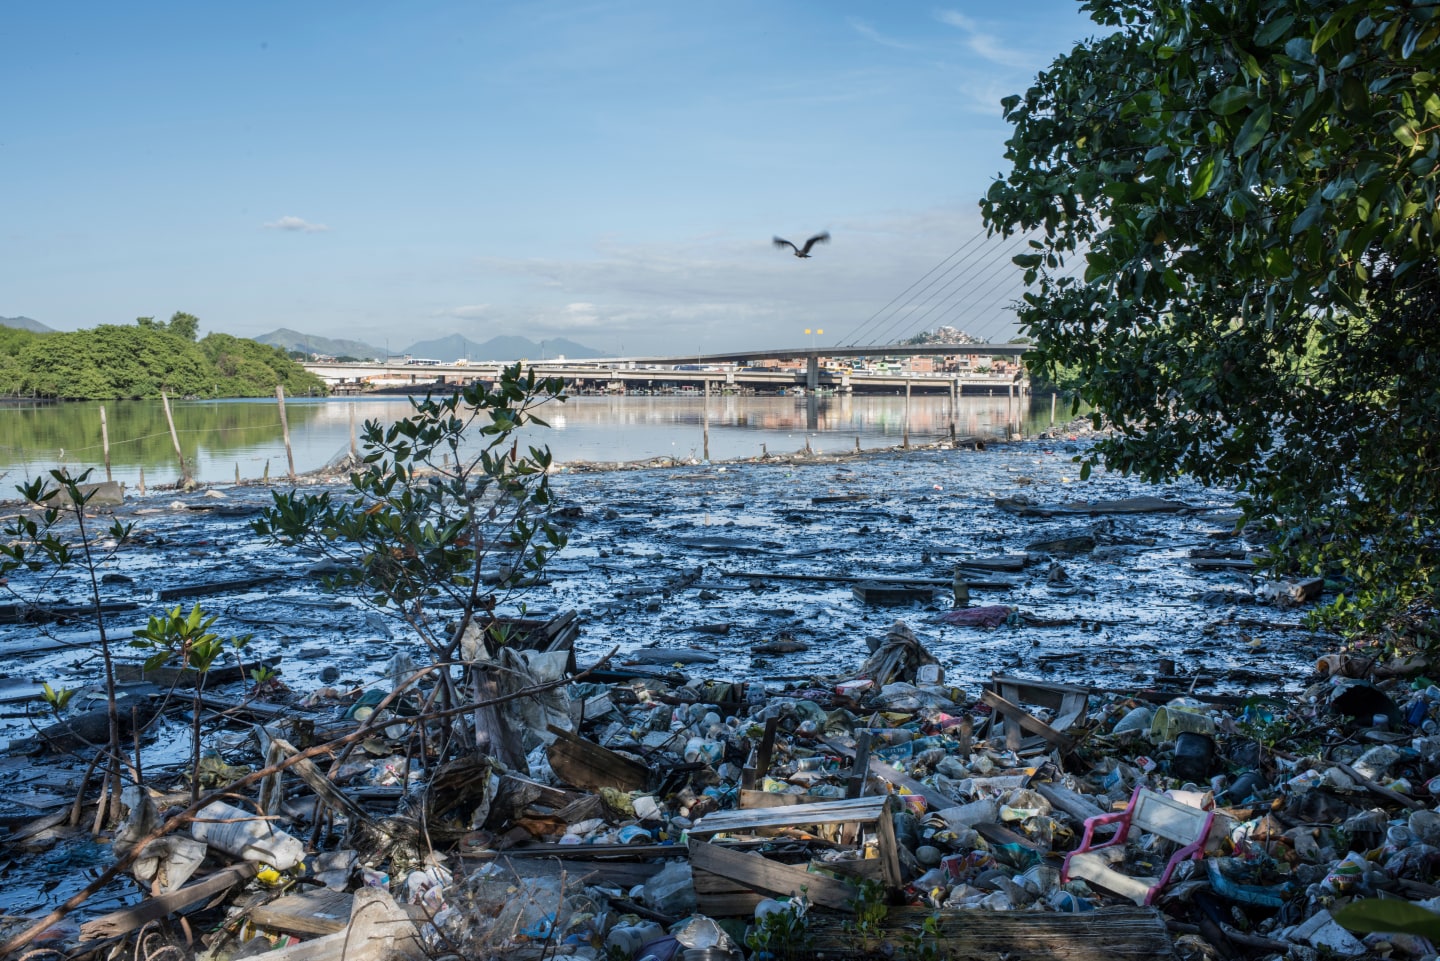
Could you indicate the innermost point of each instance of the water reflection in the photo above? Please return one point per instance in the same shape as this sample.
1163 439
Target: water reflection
222 438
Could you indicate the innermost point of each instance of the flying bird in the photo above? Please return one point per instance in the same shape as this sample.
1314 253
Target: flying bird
823 238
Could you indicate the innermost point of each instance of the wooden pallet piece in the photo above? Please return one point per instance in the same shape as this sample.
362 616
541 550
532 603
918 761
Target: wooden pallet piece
588 766
1109 934
728 884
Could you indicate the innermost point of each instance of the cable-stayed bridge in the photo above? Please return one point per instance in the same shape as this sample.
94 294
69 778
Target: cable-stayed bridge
717 369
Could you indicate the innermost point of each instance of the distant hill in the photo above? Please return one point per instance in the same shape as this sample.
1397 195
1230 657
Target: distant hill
458 347
287 339
25 323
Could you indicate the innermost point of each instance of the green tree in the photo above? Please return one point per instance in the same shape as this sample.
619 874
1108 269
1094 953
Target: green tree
1250 187
184 325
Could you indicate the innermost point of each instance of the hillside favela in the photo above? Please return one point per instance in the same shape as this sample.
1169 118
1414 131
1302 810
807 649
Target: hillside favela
637 482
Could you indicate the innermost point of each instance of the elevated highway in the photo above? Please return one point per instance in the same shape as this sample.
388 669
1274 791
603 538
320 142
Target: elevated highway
695 372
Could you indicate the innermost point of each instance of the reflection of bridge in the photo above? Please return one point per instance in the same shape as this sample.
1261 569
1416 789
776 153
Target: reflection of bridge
625 373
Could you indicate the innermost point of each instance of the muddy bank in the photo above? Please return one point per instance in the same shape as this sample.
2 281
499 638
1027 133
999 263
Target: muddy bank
755 565
787 628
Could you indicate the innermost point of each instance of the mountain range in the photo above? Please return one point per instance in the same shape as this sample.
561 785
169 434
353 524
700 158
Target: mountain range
454 347
287 339
25 323
457 347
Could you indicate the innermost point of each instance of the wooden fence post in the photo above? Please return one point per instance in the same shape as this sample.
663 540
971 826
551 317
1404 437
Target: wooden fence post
285 429
175 439
105 442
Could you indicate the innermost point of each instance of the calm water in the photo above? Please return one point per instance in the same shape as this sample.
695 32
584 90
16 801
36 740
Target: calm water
221 438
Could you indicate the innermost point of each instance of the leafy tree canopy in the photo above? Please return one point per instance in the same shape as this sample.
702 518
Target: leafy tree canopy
113 361
1235 202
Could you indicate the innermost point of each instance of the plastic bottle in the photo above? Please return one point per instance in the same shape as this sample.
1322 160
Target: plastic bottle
244 835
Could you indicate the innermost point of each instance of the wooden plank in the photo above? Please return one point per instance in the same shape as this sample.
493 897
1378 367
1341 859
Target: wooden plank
168 675
823 812
859 767
1026 720
749 800
216 587
934 800
588 766
1109 934
761 874
760 765
311 912
152 909
1028 691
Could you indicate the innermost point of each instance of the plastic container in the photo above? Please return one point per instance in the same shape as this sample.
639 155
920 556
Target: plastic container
1173 719
1194 756
242 834
629 938
1136 721
703 750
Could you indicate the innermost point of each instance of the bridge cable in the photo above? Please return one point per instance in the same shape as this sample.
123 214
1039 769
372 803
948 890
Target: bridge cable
903 311
855 335
977 276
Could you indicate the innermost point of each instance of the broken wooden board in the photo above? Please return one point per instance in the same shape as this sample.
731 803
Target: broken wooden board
881 594
1081 544
1127 505
44 613
1068 702
855 814
307 913
1222 564
153 909
1000 562
1109 934
169 675
764 876
588 766
230 586
1015 715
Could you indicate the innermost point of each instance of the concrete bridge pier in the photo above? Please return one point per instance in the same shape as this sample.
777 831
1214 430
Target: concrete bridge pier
812 374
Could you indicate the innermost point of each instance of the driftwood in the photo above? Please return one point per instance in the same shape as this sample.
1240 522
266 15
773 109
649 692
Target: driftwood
152 909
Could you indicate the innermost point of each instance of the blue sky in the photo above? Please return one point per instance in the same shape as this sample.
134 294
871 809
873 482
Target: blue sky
611 172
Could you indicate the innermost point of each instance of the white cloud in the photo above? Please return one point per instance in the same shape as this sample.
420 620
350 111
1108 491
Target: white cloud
870 33
296 225
985 45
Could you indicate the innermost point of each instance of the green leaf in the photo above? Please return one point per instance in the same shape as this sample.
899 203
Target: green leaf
1231 100
1204 176
1274 30
1405 132
1372 915
1253 130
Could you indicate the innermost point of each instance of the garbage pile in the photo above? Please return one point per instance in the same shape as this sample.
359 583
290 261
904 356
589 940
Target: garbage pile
655 815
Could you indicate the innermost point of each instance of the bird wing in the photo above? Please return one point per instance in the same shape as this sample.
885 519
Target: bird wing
823 238
779 242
